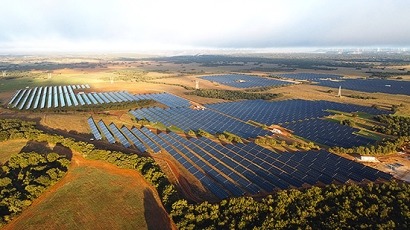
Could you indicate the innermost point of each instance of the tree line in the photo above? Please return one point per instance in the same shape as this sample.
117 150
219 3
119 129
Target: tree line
24 177
393 125
233 94
372 206
382 148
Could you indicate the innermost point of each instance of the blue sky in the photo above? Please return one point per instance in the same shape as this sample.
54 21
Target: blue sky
132 25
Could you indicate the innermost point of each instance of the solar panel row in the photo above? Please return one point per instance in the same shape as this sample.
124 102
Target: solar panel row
63 96
94 129
14 96
106 132
119 135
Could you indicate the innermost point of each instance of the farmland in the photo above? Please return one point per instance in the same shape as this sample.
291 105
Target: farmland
257 130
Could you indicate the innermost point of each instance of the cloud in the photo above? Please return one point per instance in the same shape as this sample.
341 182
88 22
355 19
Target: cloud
127 25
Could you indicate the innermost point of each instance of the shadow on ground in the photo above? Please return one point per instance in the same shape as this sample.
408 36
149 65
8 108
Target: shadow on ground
155 216
44 148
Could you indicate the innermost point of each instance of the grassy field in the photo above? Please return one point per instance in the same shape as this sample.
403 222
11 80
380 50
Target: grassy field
10 147
95 195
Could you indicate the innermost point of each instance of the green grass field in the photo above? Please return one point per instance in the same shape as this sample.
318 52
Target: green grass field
93 197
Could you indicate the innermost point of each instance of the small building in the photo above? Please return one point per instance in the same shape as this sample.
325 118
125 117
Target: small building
276 131
367 159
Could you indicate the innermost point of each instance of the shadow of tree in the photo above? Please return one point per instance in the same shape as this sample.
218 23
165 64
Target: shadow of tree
155 216
63 151
38 147
44 148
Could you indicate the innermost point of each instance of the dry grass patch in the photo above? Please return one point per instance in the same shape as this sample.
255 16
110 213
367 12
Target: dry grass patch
9 147
96 195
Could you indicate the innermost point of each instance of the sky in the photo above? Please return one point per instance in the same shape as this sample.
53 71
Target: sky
133 25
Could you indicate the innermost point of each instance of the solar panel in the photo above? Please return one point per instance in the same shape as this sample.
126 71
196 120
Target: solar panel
106 132
119 135
37 100
24 99
137 143
72 96
30 101
80 99
14 96
154 147
44 98
94 129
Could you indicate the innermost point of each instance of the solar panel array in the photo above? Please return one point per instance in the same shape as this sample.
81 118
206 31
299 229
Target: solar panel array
328 133
189 119
167 99
238 169
244 81
308 76
364 85
305 114
63 96
278 112
371 85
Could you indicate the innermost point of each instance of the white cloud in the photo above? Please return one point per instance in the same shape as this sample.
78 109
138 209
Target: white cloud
128 25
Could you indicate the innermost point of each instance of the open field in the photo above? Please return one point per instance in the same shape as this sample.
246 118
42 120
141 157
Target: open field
96 195
10 147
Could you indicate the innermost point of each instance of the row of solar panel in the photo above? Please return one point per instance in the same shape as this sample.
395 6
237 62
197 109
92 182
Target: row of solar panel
94 129
63 96
189 119
244 81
